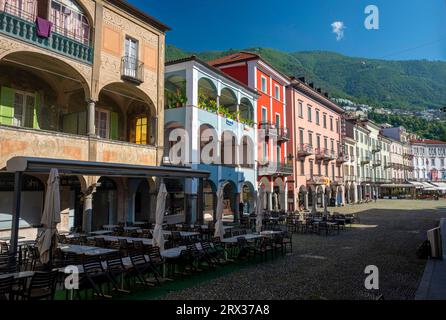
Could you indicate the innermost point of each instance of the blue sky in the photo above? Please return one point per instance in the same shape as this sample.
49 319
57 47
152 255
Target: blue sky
409 29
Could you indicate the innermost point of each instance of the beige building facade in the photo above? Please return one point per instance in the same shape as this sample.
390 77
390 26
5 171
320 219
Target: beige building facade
91 90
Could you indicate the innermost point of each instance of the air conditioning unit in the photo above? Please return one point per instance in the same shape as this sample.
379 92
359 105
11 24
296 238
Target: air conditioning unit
434 237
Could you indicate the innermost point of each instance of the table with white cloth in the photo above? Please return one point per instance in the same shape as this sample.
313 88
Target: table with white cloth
86 250
145 241
184 234
101 232
248 237
110 226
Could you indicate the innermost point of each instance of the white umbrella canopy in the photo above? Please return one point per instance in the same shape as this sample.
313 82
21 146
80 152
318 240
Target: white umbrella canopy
219 228
259 210
276 202
50 217
158 236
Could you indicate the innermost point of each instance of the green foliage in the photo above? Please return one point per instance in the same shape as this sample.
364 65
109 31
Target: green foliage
390 84
175 99
207 103
425 128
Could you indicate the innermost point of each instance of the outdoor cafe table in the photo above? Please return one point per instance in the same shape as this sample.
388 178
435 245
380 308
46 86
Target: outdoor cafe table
110 227
270 233
101 232
132 228
19 275
248 237
87 250
184 234
9 238
129 239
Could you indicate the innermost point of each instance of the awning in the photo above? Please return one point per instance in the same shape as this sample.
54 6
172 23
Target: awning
91 168
440 185
417 184
397 186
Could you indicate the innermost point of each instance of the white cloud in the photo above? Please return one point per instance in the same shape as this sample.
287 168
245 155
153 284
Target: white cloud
338 28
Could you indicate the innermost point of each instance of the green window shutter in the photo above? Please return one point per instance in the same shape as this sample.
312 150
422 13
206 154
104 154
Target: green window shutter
70 123
7 96
82 123
36 111
113 126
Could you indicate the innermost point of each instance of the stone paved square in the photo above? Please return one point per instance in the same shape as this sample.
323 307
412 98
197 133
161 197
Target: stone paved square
333 267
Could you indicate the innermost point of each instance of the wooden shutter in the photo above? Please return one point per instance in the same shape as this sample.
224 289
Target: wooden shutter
7 96
37 103
114 126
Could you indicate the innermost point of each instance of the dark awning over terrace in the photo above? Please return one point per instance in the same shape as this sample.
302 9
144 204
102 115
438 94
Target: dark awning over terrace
21 165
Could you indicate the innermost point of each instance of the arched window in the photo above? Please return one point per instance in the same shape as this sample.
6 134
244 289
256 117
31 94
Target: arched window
207 95
69 20
246 111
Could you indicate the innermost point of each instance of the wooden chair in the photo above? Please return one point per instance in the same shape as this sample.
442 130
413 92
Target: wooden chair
41 287
6 288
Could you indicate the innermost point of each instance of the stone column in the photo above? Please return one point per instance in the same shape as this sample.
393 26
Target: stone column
306 200
87 218
91 118
236 209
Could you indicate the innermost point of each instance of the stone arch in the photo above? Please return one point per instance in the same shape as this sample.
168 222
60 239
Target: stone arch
229 144
46 66
246 153
228 99
246 109
248 196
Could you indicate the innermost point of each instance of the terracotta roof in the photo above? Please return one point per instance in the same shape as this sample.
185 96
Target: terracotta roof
216 70
236 57
427 141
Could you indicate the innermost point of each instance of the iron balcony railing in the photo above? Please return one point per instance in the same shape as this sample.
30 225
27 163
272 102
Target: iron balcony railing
305 150
366 160
324 154
269 129
132 70
342 158
377 163
283 134
22 29
276 169
376 149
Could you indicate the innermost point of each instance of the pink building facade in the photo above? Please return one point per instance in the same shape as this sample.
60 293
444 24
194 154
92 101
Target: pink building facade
316 146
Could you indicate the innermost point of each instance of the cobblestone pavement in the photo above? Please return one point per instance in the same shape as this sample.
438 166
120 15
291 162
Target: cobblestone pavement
333 267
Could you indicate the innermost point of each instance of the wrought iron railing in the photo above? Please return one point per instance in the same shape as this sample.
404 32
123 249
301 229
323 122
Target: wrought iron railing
132 69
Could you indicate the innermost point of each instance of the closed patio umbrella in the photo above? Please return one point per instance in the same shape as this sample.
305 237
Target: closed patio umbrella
50 218
219 228
259 210
276 202
158 236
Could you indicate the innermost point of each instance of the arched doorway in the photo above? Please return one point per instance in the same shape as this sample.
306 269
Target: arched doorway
209 200
265 185
105 203
320 195
229 192
143 202
302 198
279 196
247 198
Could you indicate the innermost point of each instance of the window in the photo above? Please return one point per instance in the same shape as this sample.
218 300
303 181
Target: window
309 113
318 142
311 168
277 120
301 136
310 138
141 130
325 120
302 168
102 123
300 110
319 169
277 92
317 116
331 124
131 56
263 84
337 126
24 109
68 20
325 142
332 145
264 115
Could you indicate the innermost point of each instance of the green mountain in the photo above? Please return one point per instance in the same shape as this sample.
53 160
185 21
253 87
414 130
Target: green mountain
412 85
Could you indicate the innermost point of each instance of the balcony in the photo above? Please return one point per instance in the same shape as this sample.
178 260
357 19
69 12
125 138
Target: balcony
304 150
367 179
24 30
377 163
275 169
376 149
409 156
269 129
342 158
382 180
283 135
132 70
324 155
366 160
